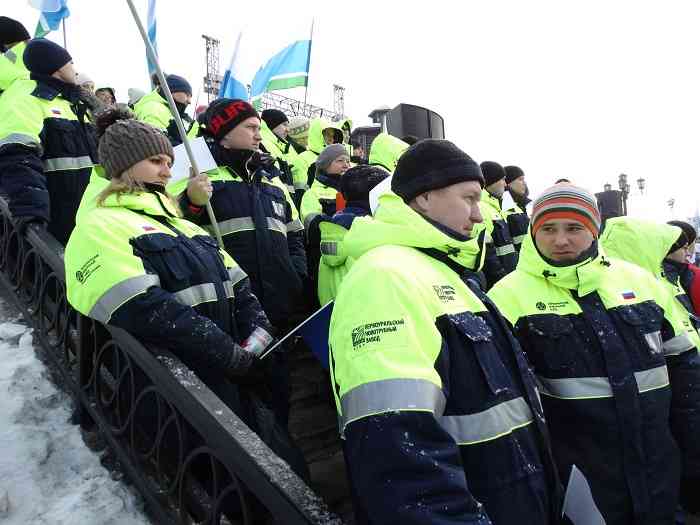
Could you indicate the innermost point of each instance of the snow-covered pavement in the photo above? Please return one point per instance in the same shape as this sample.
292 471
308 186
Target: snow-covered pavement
47 474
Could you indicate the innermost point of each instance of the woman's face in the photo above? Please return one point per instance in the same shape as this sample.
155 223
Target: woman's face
339 166
153 170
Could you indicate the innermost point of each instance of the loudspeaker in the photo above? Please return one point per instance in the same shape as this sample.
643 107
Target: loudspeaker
610 204
407 119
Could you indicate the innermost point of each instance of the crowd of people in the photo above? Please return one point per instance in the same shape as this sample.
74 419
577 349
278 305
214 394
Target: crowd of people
478 351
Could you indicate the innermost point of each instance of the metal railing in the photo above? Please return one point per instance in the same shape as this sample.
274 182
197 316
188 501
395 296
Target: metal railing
192 459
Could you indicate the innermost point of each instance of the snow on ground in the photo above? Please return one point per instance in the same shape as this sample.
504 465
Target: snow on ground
47 474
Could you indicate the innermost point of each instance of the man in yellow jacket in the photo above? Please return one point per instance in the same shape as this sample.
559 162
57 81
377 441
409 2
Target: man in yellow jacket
13 41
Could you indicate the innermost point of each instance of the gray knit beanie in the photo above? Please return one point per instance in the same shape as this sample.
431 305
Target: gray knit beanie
124 141
328 155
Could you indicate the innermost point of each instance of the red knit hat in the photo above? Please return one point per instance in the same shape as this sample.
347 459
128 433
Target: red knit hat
566 201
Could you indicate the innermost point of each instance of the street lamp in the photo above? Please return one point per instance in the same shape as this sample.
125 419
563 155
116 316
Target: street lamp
607 187
625 189
641 184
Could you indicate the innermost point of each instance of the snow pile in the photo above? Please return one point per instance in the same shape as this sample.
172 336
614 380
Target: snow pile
47 474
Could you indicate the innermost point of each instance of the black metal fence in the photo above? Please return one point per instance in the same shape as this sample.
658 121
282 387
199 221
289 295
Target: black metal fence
188 454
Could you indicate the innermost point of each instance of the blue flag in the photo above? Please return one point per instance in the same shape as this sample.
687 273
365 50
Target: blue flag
287 69
232 85
52 13
314 330
315 333
151 30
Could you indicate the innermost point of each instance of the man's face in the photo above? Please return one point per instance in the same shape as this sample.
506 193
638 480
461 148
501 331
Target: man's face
66 74
281 130
519 187
563 240
105 96
182 97
456 206
497 188
244 136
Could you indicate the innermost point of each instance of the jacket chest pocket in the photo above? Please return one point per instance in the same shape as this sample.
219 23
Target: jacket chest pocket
165 255
642 324
274 202
553 345
208 250
477 335
501 234
63 138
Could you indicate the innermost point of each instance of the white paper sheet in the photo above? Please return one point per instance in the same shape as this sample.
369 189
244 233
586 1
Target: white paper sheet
578 501
181 166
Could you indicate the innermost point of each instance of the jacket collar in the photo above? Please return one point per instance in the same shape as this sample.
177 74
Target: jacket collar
582 276
48 88
398 224
327 180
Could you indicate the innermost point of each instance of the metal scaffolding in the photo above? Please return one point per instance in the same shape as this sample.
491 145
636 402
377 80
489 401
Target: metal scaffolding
212 80
293 107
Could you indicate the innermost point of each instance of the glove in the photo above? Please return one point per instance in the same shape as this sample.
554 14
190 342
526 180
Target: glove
258 341
245 368
260 159
21 223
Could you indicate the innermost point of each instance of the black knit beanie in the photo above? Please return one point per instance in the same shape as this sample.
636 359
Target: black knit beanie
273 118
45 57
224 114
493 172
512 173
125 141
11 31
432 164
177 84
358 181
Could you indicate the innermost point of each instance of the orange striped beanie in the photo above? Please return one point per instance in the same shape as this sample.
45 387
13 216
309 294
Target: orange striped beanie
566 201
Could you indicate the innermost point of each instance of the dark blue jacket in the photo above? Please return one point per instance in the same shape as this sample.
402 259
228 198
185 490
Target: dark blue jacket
262 232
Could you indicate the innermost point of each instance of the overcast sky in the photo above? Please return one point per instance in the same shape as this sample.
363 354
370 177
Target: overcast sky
584 90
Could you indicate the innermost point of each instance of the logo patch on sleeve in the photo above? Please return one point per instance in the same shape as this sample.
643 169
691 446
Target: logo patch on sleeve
445 293
374 332
629 295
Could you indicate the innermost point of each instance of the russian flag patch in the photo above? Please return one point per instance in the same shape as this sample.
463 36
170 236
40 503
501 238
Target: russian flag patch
628 295
147 228
55 111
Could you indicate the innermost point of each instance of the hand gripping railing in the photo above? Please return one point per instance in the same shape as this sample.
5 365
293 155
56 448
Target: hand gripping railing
192 459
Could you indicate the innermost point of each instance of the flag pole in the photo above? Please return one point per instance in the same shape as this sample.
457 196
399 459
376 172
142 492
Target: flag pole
176 114
311 43
65 43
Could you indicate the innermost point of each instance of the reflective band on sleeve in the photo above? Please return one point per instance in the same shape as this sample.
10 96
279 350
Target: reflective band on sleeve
599 387
197 294
505 250
329 247
239 224
276 225
307 220
228 288
490 424
652 379
487 238
391 395
294 226
67 163
121 293
11 56
20 138
236 274
301 186
518 239
242 224
678 345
